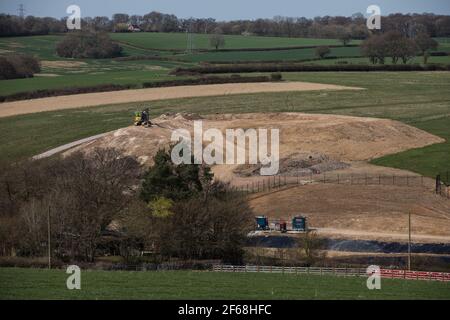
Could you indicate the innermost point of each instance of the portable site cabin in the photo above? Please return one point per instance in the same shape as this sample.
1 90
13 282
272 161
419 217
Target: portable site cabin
262 223
299 224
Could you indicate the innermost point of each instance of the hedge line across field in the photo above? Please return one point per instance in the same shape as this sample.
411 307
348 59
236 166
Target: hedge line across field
277 48
210 80
295 67
115 87
201 50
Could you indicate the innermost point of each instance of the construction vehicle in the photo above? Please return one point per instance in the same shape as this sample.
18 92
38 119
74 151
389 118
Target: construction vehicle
142 118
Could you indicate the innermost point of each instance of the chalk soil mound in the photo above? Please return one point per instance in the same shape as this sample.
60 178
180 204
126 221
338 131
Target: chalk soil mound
307 141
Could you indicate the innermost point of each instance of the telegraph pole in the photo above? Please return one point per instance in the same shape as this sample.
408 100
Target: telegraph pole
190 42
49 239
409 241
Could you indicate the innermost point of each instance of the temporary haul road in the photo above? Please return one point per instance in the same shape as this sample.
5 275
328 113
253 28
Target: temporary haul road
140 95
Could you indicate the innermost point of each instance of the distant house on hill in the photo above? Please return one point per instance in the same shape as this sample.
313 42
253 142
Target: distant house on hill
133 28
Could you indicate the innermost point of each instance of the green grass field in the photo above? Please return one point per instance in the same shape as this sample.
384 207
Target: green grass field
135 72
293 54
421 99
60 73
44 46
45 284
89 72
178 41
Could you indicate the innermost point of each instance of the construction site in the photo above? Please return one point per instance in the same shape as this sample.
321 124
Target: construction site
325 182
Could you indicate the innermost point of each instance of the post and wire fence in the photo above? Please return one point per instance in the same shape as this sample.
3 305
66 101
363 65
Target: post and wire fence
265 184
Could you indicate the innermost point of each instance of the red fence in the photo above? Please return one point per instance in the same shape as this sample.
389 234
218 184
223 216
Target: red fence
415 275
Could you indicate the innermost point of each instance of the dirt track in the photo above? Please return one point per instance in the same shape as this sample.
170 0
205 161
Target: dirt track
96 99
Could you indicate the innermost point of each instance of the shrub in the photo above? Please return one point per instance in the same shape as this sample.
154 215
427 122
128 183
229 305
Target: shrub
18 66
322 51
88 45
276 77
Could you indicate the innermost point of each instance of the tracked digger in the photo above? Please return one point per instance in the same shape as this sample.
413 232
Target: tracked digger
142 118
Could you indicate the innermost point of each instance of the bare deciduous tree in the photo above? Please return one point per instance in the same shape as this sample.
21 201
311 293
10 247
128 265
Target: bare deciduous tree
217 41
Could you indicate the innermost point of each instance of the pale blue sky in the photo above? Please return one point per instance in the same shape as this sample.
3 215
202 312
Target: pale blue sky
226 9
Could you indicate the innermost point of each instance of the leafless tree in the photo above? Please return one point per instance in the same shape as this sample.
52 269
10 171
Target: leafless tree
217 41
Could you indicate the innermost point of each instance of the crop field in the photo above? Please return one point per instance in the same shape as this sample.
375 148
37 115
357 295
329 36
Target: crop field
45 284
292 54
59 72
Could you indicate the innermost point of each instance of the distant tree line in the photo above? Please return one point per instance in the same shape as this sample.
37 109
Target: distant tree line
11 25
353 27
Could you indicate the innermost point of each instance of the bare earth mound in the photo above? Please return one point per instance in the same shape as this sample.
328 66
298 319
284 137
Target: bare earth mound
308 142
115 97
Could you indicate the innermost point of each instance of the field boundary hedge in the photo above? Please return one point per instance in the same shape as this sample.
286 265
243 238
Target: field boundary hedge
279 48
228 62
115 87
296 67
208 80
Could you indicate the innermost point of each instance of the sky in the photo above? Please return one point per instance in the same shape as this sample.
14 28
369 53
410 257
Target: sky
226 9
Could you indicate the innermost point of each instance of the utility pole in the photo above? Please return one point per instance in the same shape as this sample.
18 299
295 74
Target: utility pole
190 41
49 239
21 10
409 241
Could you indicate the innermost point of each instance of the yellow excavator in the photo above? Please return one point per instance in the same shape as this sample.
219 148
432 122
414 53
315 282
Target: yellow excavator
142 118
